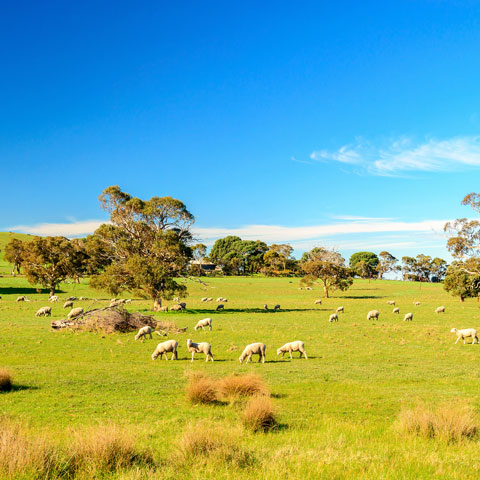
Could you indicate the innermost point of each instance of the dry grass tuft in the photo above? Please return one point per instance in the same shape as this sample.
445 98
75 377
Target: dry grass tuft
106 449
204 443
259 414
243 386
202 389
449 422
5 380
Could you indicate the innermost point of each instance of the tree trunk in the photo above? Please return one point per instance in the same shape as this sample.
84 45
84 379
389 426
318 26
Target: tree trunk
52 290
461 298
325 291
13 271
157 304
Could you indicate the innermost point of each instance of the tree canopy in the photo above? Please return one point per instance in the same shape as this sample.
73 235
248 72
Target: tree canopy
364 264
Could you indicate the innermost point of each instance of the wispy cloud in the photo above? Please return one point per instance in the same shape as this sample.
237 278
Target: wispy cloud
70 229
404 155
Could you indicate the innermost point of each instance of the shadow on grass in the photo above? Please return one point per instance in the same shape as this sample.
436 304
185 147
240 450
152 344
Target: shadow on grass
18 388
357 297
24 291
205 311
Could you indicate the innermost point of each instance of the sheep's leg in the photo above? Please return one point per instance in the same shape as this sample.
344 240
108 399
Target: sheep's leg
290 352
262 357
210 327
249 358
151 336
193 353
464 340
458 338
305 355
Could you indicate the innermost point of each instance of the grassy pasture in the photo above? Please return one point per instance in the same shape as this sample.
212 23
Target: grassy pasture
337 410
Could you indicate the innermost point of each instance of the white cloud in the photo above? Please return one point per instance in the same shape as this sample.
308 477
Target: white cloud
71 229
403 155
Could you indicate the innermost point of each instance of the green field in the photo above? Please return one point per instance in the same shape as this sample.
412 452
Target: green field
337 410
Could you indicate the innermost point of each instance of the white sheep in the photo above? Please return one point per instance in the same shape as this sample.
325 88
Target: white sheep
45 311
206 322
22 298
396 310
297 346
265 306
225 300
67 304
75 312
333 318
202 347
164 348
440 309
147 330
373 314
408 317
204 299
71 298
176 299
209 299
340 309
308 288
465 333
253 349
128 300
163 309
220 307
391 302
219 299
83 298
176 308
53 299
317 302
416 303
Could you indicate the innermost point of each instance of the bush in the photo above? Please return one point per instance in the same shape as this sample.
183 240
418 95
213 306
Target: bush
243 386
450 422
201 389
5 380
259 414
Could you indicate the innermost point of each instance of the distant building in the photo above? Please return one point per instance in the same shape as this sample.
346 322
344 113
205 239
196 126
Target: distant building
207 267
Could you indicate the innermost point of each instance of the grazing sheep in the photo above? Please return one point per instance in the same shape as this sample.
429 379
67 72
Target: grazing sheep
164 348
45 311
176 308
373 314
297 346
317 302
209 299
219 299
204 299
163 309
176 299
333 318
202 347
396 310
253 349
308 288
68 304
465 333
53 299
440 309
408 317
147 330
220 307
265 307
183 305
340 309
75 312
128 300
83 298
300 288
276 307
115 303
225 299
391 302
22 299
206 322
416 303
72 298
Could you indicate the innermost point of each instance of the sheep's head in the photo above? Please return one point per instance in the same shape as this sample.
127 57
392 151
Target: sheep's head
241 358
155 354
453 330
279 351
189 342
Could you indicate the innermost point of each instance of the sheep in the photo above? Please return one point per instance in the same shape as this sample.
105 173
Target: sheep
164 348
206 322
220 307
391 302
147 330
183 305
75 312
53 299
22 299
128 300
396 310
297 346
333 318
317 302
276 307
209 299
204 299
116 303
465 333
308 288
219 299
225 300
83 298
176 299
176 308
68 304
440 309
265 307
408 317
253 349
340 309
163 309
373 314
71 298
45 311
416 303
202 347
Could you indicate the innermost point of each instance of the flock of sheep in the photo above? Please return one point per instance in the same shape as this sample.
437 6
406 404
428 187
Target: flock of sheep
171 346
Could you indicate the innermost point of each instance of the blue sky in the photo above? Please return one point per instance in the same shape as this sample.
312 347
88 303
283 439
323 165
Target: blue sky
354 125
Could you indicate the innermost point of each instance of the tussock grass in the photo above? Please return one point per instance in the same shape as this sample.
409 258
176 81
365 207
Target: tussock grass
202 389
206 443
5 380
259 414
449 422
243 386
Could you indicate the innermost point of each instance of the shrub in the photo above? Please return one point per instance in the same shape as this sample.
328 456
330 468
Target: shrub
201 389
5 380
259 414
243 385
205 443
450 422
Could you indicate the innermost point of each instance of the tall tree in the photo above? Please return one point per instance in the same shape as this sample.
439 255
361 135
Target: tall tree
14 251
146 244
459 282
328 267
364 264
386 263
